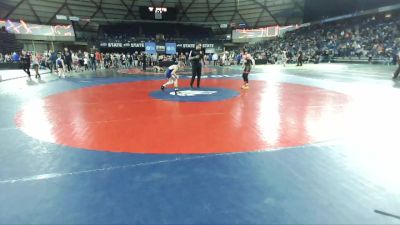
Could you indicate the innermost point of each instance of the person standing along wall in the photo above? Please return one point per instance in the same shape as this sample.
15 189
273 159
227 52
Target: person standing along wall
25 61
68 59
35 64
92 62
144 61
300 59
397 72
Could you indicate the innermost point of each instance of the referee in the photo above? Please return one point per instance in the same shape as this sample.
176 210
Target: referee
196 56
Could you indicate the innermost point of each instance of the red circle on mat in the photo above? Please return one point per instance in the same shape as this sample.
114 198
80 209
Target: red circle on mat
122 117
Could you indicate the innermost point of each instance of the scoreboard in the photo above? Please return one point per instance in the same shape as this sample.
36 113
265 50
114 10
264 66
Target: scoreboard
157 13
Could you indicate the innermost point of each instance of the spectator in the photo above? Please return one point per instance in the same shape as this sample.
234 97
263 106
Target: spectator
15 57
215 58
67 58
35 64
53 59
397 72
92 61
26 63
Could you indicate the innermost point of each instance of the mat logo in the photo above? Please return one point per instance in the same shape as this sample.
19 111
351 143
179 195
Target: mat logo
193 93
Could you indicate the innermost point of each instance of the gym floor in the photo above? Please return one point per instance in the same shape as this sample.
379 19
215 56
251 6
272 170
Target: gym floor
310 145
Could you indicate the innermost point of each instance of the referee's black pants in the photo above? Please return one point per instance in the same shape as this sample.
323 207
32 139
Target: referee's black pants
196 72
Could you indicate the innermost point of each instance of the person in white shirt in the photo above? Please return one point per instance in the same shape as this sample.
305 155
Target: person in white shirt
223 58
86 62
215 58
35 64
284 58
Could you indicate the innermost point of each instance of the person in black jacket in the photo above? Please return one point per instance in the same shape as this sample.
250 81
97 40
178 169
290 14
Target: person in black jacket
144 61
196 56
68 59
300 59
397 72
26 63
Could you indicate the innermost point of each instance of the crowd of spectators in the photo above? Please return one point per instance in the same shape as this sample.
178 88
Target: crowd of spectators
362 38
9 57
125 38
153 32
66 61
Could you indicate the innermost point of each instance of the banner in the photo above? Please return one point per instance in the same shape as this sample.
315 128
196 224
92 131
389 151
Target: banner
150 47
170 48
114 45
137 45
255 33
186 45
160 47
26 28
207 45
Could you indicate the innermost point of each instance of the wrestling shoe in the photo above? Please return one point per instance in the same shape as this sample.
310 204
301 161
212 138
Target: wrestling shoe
246 86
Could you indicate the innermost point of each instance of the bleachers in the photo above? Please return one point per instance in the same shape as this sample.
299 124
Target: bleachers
9 43
148 31
350 41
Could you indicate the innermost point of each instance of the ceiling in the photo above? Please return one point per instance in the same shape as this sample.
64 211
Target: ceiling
254 13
